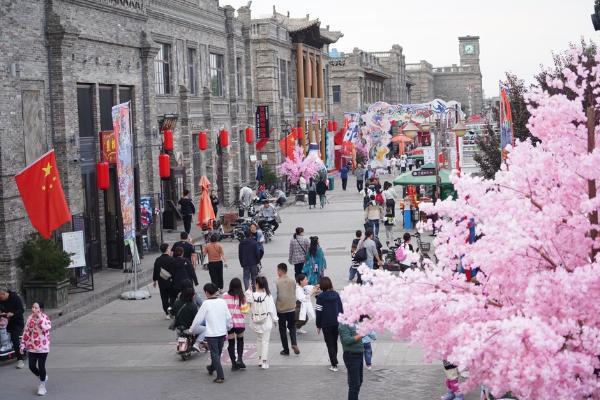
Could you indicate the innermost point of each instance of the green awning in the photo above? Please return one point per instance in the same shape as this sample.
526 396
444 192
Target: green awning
416 156
407 178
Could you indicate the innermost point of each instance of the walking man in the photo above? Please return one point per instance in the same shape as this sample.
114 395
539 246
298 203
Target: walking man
359 172
163 275
187 211
286 309
353 358
344 176
250 253
189 253
11 307
371 248
215 313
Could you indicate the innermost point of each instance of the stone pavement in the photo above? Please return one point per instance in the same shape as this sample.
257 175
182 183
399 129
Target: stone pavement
124 350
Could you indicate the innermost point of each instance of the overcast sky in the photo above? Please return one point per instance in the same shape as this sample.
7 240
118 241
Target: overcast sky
515 35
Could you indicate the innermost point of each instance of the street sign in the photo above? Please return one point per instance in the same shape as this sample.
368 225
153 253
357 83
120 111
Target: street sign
424 172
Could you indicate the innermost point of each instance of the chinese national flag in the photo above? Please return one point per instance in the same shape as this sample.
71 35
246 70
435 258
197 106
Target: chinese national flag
287 144
42 195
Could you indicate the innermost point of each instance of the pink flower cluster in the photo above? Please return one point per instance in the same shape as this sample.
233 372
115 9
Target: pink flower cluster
300 165
532 323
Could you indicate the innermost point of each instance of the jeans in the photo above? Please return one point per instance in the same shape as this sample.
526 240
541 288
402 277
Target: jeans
354 272
354 365
215 345
359 185
250 274
200 332
15 334
344 183
330 334
375 224
322 199
215 270
262 345
187 223
389 232
287 321
368 353
298 269
37 365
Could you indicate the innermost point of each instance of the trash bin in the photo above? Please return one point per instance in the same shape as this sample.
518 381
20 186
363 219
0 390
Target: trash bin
330 183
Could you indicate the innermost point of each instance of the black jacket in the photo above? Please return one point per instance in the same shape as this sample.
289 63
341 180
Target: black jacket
321 188
182 269
329 305
164 261
187 207
13 305
249 252
184 313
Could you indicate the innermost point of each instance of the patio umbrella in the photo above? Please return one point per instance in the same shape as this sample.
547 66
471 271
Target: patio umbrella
418 150
402 139
206 214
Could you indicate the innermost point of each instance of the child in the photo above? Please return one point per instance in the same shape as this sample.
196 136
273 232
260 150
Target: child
354 265
36 339
263 316
452 382
6 346
366 341
389 225
303 303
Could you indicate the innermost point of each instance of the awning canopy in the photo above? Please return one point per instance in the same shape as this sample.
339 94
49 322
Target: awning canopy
407 178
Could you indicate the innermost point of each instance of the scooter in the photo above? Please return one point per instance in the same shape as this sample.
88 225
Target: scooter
7 352
267 229
185 344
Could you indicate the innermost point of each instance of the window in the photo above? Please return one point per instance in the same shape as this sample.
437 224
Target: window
85 110
216 75
337 94
239 77
162 69
192 74
283 80
106 104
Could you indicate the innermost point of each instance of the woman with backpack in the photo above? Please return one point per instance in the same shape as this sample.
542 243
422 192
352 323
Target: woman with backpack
264 316
322 192
298 248
315 263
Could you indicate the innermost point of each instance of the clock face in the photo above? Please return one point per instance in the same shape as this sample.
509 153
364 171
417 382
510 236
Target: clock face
469 49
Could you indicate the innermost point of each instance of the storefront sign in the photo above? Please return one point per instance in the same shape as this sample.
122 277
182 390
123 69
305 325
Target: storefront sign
424 172
429 155
108 143
262 122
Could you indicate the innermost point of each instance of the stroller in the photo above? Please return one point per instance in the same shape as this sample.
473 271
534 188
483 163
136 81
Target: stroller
7 352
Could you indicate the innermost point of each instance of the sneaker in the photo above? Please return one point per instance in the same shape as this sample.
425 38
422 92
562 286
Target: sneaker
369 367
20 364
196 347
265 365
210 369
42 389
234 366
296 349
284 353
241 364
218 380
301 331
333 368
167 316
448 396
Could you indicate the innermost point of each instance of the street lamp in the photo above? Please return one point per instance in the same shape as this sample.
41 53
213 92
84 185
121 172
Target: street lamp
459 131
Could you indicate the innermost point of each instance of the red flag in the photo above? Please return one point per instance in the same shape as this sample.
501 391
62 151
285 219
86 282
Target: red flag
43 196
286 145
261 144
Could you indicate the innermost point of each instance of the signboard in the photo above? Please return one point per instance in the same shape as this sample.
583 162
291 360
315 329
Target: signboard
424 172
73 243
429 155
262 122
263 157
108 145
253 157
146 210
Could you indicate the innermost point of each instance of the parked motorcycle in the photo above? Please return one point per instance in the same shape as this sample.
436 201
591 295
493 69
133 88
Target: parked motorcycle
267 229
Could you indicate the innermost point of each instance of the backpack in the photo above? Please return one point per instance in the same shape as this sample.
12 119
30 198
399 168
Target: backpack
260 312
360 255
400 253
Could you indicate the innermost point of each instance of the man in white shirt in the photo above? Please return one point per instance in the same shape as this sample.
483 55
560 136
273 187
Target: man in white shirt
215 314
246 195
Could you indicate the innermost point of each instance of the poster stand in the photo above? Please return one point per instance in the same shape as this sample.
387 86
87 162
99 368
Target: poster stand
135 293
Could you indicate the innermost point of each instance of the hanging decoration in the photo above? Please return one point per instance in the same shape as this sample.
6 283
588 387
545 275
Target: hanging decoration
164 166
168 140
102 176
249 135
223 138
202 140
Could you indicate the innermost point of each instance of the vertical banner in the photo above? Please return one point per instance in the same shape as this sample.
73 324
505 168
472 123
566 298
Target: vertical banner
122 132
330 150
262 122
506 124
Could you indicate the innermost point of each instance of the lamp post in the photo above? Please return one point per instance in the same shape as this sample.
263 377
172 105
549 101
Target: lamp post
459 131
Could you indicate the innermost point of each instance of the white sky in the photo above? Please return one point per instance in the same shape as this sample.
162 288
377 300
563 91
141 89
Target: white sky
515 35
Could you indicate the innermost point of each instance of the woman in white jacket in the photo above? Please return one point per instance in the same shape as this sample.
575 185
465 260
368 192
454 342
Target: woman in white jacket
263 315
304 291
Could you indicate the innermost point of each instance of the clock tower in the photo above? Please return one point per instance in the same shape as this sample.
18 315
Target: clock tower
468 48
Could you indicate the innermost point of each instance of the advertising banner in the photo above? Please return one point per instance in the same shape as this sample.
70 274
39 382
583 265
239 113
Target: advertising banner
262 122
506 125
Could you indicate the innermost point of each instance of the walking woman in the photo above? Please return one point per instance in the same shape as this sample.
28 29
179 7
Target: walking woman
216 260
264 316
322 192
298 248
315 263
373 214
389 195
329 306
36 339
236 303
312 194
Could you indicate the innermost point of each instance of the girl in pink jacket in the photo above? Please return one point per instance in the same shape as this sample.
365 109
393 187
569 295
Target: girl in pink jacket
36 340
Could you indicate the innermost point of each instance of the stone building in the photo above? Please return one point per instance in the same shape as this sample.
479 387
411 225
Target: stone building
361 78
65 63
457 82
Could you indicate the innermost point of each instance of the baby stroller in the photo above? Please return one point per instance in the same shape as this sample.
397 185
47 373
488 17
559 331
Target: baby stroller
6 348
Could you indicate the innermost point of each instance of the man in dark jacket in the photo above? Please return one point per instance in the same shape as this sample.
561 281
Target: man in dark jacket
187 210
11 306
328 307
249 253
189 252
344 176
165 285
182 269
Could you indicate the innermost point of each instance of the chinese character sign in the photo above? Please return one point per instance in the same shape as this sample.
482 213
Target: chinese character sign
262 122
122 132
108 143
506 125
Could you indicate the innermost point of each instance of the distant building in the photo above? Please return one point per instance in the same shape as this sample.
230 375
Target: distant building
457 82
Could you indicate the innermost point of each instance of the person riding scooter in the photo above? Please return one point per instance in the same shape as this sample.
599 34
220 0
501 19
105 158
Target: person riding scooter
268 213
185 310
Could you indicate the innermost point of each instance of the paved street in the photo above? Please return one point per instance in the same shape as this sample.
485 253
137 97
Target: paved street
125 351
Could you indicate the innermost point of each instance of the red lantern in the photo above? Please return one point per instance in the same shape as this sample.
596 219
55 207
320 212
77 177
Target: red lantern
164 167
300 133
168 140
102 177
329 126
202 141
249 135
335 126
223 138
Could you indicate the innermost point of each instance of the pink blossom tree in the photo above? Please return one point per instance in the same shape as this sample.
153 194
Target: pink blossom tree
300 165
530 322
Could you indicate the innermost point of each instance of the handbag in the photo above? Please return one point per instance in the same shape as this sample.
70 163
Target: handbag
164 274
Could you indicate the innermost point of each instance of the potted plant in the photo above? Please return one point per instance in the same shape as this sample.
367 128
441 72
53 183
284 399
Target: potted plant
44 264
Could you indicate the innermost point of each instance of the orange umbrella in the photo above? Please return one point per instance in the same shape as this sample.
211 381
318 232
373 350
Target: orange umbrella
206 214
402 139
